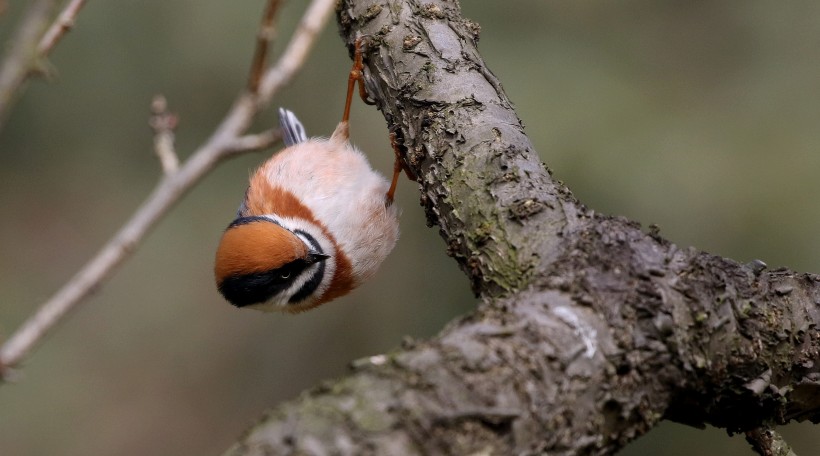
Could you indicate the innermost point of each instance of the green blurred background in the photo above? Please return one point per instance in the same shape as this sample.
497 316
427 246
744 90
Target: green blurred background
701 117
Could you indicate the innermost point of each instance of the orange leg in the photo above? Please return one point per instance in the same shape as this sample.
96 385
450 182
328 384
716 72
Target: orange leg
356 74
397 167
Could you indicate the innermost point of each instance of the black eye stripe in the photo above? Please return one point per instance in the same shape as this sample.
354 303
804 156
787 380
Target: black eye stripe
247 289
311 285
258 287
252 219
314 244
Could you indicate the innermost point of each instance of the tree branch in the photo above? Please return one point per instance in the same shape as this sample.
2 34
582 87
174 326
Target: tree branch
22 54
63 24
768 442
228 140
32 43
267 31
590 330
164 123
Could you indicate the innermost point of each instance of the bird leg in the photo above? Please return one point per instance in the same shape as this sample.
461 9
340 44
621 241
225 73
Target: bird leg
396 171
398 166
356 74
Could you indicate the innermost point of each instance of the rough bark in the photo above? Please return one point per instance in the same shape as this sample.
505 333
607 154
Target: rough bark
589 329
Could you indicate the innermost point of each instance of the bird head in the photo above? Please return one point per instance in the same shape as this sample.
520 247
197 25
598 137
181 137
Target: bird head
263 265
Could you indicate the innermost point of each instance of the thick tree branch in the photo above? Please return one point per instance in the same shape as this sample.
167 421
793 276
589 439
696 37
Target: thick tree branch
454 118
590 330
768 442
228 140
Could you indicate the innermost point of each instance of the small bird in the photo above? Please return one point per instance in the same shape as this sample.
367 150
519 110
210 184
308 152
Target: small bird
315 223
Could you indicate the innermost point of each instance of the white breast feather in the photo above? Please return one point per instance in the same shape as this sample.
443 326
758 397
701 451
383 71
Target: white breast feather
337 184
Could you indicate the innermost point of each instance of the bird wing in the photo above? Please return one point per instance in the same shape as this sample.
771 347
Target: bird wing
292 130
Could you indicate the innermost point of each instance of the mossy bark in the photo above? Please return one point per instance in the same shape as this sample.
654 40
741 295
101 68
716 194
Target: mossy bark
589 329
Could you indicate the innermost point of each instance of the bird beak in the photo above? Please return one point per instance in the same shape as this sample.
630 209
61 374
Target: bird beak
315 257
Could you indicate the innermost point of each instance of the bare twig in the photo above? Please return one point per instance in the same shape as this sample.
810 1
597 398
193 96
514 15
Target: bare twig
267 31
164 123
31 45
61 26
253 142
311 24
23 56
225 142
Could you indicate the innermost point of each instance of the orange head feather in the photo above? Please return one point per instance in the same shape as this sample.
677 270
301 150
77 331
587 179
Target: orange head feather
259 261
254 247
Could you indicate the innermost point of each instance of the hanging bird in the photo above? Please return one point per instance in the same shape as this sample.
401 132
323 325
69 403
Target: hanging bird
316 221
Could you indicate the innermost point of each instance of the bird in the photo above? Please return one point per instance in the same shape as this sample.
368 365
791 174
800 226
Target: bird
316 221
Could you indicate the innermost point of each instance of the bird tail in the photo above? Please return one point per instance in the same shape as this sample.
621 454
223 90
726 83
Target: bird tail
292 130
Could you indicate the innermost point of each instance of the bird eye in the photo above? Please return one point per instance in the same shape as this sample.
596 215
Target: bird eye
285 275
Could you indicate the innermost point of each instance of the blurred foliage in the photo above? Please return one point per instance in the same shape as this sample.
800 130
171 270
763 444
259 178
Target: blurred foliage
698 116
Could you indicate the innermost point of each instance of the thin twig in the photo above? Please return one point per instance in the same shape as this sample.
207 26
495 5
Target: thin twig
254 142
164 123
31 45
171 188
309 27
22 55
267 31
61 26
